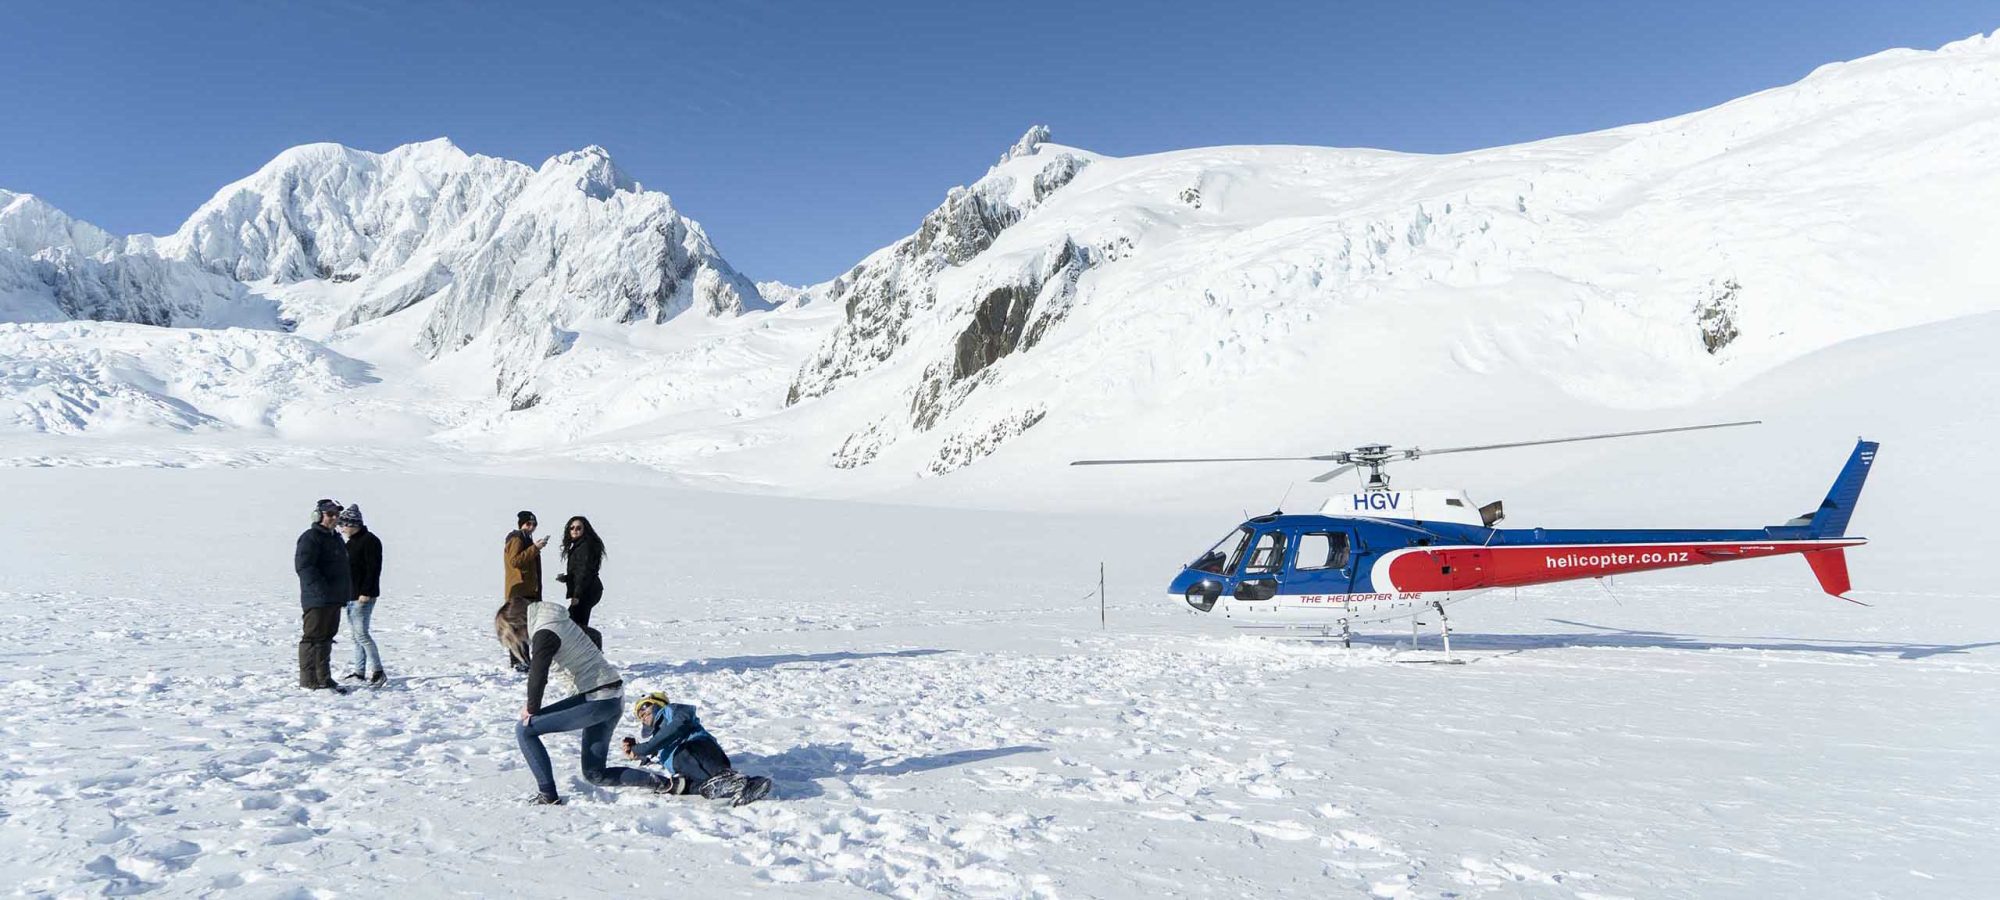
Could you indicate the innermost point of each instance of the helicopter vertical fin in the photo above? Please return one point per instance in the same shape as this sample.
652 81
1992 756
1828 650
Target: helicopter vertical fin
1830 567
1830 520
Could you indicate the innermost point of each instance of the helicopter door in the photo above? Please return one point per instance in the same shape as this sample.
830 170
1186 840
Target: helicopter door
1265 566
1323 563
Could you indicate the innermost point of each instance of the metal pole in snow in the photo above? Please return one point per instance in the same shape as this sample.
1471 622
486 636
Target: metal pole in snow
1101 624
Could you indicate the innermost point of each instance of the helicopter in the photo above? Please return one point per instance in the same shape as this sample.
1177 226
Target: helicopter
1383 554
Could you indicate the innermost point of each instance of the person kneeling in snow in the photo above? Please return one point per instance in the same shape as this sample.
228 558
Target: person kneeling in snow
557 643
675 737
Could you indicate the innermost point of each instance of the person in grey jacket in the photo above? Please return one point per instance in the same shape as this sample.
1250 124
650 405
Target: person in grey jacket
325 586
558 645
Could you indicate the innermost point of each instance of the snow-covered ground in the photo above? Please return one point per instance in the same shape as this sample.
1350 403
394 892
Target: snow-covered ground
945 717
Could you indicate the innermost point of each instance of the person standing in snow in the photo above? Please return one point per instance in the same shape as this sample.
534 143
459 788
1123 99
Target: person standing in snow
522 558
674 736
583 555
325 585
364 562
596 700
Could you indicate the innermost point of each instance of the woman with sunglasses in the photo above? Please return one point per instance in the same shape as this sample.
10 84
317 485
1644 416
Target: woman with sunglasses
583 555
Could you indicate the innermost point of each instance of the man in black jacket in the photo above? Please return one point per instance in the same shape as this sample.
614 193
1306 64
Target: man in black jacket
325 586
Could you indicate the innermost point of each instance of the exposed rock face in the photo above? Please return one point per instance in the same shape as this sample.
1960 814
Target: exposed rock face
944 277
883 294
1008 319
1716 316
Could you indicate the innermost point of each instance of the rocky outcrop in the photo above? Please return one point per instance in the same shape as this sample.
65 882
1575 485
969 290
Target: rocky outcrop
1715 317
882 295
969 446
1008 319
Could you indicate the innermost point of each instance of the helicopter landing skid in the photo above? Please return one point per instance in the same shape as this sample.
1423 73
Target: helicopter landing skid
1444 633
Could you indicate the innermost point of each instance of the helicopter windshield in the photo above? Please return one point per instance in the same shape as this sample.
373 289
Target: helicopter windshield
1213 560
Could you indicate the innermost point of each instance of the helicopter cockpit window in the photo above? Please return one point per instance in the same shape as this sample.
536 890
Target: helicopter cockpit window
1269 556
1322 550
1229 549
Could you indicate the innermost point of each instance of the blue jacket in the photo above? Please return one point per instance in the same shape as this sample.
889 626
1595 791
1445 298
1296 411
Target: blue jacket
668 733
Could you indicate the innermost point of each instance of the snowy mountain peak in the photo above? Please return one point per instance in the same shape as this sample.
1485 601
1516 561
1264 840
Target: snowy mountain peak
594 172
488 251
29 224
437 146
1978 43
1035 137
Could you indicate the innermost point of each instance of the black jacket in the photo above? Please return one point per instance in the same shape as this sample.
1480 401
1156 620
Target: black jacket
364 563
580 581
321 561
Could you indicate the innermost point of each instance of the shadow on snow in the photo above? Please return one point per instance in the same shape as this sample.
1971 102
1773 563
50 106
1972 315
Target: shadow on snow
746 663
1607 636
798 770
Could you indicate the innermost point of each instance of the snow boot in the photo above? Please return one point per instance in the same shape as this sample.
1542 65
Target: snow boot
671 784
755 788
353 676
726 786
547 800
378 679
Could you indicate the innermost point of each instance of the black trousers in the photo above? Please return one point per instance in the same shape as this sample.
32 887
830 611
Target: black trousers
582 601
700 759
320 623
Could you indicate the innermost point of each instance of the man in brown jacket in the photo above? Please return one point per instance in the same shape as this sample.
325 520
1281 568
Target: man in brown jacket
522 558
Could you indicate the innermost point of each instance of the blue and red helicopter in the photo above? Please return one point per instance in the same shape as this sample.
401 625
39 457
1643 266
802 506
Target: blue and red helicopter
1384 554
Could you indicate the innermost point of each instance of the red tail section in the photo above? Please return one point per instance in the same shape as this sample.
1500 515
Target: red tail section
1830 566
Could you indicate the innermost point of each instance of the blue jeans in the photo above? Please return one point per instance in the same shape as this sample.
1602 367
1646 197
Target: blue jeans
365 653
595 718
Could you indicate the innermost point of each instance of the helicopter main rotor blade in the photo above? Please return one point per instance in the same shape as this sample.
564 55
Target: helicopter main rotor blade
1336 473
1216 459
1413 454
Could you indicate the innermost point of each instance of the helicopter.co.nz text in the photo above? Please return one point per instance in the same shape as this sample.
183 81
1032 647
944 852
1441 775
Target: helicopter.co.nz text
1582 560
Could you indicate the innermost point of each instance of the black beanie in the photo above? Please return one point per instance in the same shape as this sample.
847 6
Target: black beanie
524 517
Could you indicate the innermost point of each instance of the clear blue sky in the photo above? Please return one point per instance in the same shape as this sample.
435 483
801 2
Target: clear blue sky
804 135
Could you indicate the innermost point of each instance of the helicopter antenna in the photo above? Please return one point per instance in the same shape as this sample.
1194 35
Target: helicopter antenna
1286 496
1373 458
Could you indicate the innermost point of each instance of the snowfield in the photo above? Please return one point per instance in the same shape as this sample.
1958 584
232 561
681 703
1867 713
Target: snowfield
944 716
